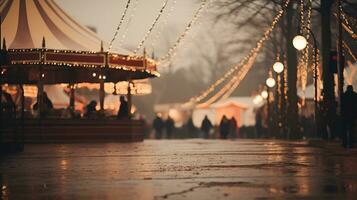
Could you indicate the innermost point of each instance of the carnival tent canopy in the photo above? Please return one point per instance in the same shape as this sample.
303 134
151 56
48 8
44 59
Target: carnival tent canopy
24 24
46 45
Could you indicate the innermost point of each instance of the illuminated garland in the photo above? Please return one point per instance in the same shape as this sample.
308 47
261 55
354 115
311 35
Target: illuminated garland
349 51
120 23
318 75
150 63
164 23
184 49
133 11
242 63
346 24
230 88
304 59
151 28
185 32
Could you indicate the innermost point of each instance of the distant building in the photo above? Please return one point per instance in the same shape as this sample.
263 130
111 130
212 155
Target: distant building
241 108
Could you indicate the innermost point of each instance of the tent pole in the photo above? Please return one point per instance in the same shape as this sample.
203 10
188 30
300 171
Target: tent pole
129 100
22 116
71 96
101 95
0 32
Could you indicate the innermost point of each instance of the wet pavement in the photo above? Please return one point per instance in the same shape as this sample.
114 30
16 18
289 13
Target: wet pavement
180 169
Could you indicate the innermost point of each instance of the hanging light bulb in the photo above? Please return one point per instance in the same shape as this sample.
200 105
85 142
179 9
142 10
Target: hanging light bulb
299 42
264 94
270 82
278 67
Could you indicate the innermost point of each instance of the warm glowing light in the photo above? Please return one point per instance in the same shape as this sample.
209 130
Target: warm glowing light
299 42
242 65
258 99
104 77
264 94
94 74
270 82
278 67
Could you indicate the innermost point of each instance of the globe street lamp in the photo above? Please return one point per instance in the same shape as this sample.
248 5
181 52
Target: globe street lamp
270 82
299 42
278 67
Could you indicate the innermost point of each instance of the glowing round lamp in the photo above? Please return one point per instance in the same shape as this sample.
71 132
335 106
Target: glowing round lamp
270 82
278 67
264 94
258 99
299 42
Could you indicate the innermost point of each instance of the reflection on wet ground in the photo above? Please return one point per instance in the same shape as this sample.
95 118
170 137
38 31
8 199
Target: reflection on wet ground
177 169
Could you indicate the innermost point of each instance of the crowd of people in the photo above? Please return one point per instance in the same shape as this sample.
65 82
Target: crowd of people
226 129
9 108
161 125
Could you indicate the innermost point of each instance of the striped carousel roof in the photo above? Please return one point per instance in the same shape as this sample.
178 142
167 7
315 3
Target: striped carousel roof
25 23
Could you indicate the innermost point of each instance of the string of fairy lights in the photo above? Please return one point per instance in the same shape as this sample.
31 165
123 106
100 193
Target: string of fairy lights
189 36
147 34
195 17
229 88
345 45
163 24
304 59
119 25
242 64
346 25
125 32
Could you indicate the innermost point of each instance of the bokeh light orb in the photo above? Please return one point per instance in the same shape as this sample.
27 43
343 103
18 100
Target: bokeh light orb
264 94
270 82
258 100
299 42
278 67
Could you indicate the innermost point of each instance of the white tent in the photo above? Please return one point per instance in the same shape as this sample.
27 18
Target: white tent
26 22
247 115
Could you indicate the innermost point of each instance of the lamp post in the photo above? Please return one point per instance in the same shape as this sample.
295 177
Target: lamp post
270 82
300 43
278 67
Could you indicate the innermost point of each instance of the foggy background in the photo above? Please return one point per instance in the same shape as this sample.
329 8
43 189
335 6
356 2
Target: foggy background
218 40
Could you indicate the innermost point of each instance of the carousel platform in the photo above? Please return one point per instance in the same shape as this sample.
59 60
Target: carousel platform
76 131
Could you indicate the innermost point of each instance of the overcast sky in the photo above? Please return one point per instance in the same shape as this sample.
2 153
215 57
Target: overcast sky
105 15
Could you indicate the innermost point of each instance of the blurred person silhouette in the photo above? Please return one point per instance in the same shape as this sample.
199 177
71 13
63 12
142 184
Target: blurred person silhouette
224 127
233 128
258 123
47 104
158 125
91 109
8 105
191 128
206 126
349 116
123 112
169 125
